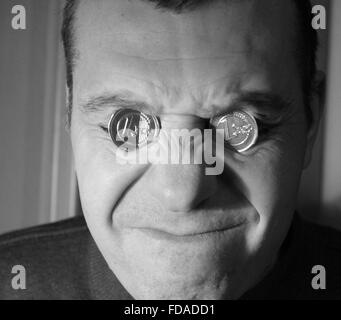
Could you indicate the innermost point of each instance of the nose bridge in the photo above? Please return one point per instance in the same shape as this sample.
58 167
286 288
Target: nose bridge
178 121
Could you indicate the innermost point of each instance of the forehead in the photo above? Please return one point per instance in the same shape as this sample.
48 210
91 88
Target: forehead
226 45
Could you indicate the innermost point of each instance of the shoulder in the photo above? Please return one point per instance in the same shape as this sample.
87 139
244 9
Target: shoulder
321 237
64 227
51 255
28 242
322 256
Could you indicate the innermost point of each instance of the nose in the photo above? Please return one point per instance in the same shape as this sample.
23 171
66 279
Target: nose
181 188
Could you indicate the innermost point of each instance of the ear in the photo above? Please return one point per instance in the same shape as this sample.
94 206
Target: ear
316 106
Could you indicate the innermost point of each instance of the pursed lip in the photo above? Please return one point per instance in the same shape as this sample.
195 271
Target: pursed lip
190 224
175 235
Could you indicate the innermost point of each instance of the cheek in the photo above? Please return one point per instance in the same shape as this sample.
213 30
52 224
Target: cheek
102 181
270 178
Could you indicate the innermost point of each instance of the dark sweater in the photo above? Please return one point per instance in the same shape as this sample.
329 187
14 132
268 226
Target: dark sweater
63 262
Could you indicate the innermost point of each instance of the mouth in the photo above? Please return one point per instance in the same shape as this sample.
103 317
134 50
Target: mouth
163 235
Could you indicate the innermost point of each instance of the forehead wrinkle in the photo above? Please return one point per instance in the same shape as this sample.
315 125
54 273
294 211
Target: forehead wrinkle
165 96
178 31
176 26
202 103
184 71
172 96
182 58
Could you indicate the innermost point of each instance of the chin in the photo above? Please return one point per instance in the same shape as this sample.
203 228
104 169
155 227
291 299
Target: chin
182 289
192 281
186 292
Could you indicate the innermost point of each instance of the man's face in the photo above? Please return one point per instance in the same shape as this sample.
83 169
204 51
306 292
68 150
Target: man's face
171 231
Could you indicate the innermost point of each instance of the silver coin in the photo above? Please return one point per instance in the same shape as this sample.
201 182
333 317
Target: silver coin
240 130
132 129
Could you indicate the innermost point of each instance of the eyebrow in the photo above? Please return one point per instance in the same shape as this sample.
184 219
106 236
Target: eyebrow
103 102
262 102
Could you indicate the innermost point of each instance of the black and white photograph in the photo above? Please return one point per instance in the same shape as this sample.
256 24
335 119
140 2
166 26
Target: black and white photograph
170 150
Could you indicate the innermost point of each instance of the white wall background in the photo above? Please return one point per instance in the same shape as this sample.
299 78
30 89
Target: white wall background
331 168
37 183
36 179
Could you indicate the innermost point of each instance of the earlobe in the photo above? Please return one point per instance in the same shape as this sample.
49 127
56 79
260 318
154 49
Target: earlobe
316 106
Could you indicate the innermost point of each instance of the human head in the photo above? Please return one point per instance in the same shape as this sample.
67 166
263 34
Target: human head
159 227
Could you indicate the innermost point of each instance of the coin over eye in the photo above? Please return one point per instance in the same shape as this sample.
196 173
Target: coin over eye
131 129
240 130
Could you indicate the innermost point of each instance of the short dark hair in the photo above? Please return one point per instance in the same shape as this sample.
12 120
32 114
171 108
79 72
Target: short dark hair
69 50
307 41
